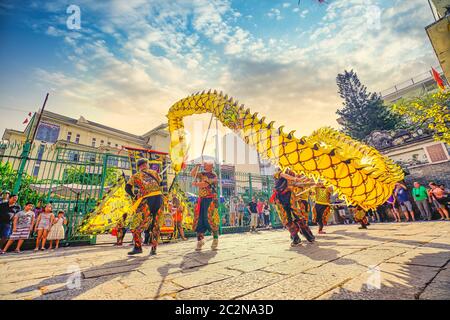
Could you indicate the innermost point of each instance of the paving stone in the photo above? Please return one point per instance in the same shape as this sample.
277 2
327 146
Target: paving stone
396 282
413 260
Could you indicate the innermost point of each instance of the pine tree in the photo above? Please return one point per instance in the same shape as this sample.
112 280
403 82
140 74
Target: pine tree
363 111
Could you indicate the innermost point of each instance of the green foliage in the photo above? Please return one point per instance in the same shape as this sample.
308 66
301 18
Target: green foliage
81 175
363 111
8 178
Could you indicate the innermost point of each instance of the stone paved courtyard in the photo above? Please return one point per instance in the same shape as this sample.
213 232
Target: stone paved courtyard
413 260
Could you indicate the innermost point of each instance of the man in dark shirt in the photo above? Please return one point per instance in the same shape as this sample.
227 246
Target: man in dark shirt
7 211
252 208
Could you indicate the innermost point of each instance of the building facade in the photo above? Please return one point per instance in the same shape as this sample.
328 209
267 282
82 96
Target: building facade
74 140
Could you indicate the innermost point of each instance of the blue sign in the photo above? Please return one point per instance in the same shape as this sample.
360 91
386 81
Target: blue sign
48 132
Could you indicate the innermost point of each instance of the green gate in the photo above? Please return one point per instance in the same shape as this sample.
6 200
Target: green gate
72 180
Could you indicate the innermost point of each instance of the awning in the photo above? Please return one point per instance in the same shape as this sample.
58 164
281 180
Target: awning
68 190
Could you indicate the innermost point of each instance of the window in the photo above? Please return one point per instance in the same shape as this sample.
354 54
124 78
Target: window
437 153
93 142
69 136
73 156
77 139
102 142
90 157
40 154
117 145
109 144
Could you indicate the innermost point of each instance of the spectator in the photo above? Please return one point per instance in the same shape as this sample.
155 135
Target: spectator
260 209
7 211
57 230
38 210
241 211
43 225
446 193
266 209
382 212
22 225
177 211
393 205
5 196
252 208
437 196
420 195
233 211
401 192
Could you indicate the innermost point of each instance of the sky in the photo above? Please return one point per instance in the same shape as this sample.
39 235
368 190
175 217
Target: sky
127 62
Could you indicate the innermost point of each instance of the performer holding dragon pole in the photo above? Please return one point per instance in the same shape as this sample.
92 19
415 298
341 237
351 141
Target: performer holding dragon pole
206 215
322 206
148 202
290 214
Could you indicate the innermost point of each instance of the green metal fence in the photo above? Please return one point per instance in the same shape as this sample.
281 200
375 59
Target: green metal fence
74 180
235 185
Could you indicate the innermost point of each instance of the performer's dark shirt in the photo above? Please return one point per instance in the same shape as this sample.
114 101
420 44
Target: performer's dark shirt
7 212
252 206
280 184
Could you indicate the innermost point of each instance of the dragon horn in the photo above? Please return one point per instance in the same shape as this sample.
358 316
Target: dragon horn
291 134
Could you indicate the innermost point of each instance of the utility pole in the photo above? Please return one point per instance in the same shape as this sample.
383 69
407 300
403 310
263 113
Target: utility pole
27 148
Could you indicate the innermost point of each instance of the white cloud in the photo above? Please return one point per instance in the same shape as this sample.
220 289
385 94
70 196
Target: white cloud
293 83
274 14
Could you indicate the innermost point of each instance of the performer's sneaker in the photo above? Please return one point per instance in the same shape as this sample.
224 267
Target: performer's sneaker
135 251
215 244
296 243
153 251
200 244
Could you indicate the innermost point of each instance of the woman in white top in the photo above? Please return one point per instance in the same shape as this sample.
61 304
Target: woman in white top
43 225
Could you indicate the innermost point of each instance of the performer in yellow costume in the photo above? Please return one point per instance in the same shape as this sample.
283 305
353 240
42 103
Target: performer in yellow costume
148 202
360 216
206 215
322 206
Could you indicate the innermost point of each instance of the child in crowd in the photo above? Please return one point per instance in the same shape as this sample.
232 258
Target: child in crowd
43 225
22 225
57 230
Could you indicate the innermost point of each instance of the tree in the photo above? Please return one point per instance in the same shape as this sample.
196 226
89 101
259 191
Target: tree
8 178
430 111
363 112
80 175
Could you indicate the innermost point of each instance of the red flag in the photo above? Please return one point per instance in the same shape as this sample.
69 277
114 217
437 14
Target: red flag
26 121
438 79
29 114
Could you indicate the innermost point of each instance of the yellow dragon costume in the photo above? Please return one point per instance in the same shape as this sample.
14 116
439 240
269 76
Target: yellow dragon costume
359 174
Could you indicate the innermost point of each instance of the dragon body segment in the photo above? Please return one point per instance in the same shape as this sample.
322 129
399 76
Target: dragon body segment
359 174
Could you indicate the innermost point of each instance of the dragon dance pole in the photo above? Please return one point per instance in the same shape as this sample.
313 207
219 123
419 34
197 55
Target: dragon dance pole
220 175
